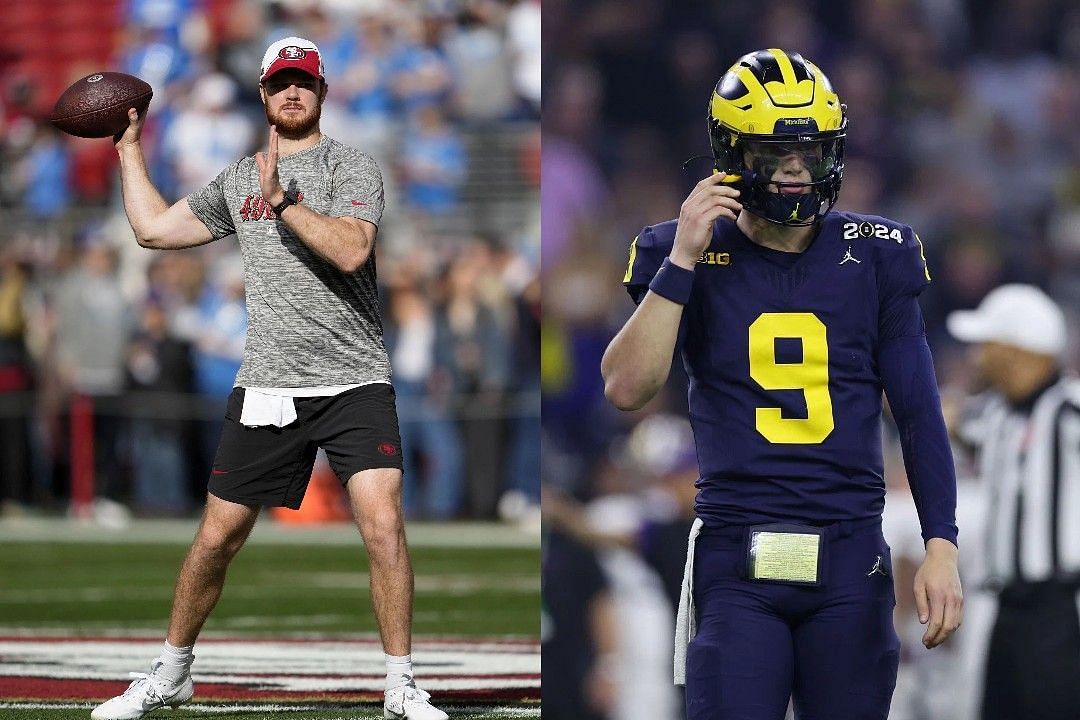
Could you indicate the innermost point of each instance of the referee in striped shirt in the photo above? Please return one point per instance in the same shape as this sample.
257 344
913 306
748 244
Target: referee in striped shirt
1027 440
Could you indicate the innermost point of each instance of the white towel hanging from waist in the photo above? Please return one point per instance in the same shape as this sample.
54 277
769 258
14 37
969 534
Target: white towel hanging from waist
685 622
263 409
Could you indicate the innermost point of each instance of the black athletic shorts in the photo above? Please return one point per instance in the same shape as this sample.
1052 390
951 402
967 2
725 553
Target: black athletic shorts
271 466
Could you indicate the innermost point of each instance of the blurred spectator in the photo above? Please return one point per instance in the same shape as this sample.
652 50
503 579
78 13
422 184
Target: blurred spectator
422 75
521 497
243 42
576 315
166 15
638 525
93 324
431 448
643 689
159 367
481 68
154 55
93 165
218 342
43 178
433 163
573 186
14 382
208 134
364 83
523 28
475 346
18 122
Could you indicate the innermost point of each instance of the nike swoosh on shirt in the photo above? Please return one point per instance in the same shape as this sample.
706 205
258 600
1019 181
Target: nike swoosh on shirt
215 471
357 202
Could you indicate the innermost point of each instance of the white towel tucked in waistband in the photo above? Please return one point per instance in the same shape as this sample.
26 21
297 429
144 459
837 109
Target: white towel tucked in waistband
685 622
263 409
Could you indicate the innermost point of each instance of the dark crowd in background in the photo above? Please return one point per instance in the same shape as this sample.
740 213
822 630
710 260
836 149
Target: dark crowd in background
962 124
445 95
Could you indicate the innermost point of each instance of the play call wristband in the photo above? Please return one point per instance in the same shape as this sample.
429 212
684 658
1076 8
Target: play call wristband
673 282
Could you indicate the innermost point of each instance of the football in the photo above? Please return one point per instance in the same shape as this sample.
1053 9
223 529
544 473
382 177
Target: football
96 106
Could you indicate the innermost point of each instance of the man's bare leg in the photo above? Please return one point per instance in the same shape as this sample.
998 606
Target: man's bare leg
224 528
376 503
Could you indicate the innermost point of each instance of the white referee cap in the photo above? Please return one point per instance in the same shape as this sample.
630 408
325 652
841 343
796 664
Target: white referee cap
1022 316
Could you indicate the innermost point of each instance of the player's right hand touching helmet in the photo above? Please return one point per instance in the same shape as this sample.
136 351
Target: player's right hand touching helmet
710 199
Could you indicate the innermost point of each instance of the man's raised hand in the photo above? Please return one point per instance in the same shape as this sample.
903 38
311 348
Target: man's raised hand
709 200
133 132
269 182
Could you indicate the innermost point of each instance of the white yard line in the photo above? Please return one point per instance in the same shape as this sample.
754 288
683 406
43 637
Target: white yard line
268 532
287 585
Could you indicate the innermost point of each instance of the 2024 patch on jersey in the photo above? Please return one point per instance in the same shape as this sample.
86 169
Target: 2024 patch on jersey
781 352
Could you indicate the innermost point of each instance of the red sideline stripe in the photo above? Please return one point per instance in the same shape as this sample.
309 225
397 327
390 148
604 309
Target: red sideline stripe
380 676
65 689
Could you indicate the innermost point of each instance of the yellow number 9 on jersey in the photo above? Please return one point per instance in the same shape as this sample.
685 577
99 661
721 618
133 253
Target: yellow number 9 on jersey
811 376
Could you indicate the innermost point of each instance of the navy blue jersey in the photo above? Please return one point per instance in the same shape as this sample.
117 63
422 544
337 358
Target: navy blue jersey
781 350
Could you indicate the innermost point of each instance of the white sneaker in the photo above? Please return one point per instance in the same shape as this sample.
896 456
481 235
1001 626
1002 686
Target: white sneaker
408 702
148 692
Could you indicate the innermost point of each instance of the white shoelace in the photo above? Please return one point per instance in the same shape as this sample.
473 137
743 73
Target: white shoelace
409 691
155 685
151 691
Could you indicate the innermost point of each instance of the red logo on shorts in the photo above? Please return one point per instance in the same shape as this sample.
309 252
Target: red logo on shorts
388 449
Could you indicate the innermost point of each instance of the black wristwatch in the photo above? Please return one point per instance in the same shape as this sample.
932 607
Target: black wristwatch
290 199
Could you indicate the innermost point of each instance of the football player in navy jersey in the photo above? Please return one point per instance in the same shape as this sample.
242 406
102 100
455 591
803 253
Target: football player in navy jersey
790 319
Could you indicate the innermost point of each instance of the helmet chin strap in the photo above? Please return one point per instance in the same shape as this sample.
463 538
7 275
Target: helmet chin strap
780 208
791 209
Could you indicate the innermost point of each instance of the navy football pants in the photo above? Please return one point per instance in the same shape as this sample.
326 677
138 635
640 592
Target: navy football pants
833 648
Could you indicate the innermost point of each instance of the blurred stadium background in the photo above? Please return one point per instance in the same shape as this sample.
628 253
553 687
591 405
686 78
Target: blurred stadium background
962 124
115 361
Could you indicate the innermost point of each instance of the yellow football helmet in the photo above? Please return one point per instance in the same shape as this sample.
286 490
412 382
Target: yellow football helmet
776 124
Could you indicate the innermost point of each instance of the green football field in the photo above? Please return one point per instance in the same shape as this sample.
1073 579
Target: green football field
476 585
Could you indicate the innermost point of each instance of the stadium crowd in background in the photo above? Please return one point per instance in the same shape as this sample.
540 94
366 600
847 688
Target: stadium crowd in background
445 95
961 125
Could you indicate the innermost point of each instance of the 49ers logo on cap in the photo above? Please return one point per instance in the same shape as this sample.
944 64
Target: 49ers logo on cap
292 52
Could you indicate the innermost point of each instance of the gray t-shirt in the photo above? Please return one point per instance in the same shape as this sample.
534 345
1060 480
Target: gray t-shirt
309 324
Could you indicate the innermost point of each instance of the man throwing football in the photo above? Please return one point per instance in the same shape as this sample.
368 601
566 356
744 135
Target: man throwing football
315 372
790 320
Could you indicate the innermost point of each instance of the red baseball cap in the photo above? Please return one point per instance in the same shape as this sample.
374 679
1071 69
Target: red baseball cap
292 53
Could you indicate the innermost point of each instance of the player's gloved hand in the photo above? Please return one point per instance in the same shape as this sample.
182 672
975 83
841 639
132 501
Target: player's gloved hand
709 199
269 183
938 596
133 132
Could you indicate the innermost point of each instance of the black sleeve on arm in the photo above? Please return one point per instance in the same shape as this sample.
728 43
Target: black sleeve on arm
907 374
